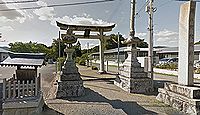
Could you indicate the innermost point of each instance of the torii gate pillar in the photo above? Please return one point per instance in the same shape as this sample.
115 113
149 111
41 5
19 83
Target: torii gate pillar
101 53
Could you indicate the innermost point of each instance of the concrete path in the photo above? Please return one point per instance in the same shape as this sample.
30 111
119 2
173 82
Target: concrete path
102 97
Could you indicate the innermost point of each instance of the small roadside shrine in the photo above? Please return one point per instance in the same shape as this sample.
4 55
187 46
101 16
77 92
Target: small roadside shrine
22 92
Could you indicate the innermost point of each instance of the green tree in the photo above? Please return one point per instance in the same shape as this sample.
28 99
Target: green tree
113 41
30 47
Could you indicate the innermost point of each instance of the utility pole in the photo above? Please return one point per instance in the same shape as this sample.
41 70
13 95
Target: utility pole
150 11
132 20
59 52
118 53
87 54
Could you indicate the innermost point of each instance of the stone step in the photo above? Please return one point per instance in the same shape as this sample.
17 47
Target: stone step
187 91
180 102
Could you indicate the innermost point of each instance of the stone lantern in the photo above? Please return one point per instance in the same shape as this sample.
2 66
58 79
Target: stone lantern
70 84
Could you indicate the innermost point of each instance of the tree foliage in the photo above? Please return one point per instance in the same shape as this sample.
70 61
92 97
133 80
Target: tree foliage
30 47
52 52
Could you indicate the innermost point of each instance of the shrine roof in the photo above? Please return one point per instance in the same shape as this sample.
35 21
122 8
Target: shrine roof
24 59
3 50
79 27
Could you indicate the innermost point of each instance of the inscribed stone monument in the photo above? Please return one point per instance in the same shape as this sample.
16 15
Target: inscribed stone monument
184 96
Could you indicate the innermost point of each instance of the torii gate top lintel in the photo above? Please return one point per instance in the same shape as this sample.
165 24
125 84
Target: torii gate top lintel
94 28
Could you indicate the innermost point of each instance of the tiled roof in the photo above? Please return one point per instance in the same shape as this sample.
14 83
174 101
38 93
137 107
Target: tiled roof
3 50
122 49
175 49
24 59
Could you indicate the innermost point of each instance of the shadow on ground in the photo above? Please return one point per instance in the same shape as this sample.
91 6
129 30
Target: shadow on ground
91 78
129 107
50 111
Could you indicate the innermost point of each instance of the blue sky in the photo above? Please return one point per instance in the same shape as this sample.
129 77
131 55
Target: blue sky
39 25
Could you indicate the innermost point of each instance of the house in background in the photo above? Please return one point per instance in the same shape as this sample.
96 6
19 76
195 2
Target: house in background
3 54
111 55
172 52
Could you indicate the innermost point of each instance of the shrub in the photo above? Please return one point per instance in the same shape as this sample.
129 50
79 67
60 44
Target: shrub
172 66
94 68
60 61
197 71
77 59
81 62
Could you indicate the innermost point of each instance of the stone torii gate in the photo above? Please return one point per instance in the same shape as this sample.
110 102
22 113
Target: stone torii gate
87 29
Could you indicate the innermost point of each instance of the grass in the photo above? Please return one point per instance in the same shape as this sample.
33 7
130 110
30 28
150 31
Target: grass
165 74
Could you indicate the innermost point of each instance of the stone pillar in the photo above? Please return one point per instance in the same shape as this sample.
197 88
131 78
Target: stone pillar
101 53
186 43
184 96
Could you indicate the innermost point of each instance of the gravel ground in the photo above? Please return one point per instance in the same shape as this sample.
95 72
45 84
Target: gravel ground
102 97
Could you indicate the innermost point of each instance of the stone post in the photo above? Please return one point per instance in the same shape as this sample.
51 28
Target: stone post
185 96
186 43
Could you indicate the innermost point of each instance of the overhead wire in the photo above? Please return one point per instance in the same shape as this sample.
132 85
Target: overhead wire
18 2
143 6
117 8
165 3
59 5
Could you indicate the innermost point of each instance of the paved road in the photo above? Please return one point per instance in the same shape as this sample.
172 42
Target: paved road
48 75
103 98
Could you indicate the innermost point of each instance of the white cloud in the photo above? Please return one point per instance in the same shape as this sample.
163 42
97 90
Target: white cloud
4 19
45 13
166 36
80 20
41 3
11 16
6 28
107 11
166 33
48 13
140 34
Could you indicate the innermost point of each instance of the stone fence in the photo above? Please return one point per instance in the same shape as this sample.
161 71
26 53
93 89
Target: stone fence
14 89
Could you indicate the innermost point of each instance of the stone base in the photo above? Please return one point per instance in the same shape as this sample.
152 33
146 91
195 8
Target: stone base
70 89
23 107
134 85
101 72
183 98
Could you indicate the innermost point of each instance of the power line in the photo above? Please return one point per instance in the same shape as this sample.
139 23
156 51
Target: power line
17 2
60 5
143 6
165 3
118 7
